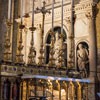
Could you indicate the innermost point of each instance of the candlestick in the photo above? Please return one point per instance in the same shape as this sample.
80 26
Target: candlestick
62 17
72 16
33 14
71 61
9 9
19 56
21 11
32 52
52 15
43 11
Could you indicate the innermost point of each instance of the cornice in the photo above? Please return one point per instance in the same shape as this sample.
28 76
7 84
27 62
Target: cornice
80 10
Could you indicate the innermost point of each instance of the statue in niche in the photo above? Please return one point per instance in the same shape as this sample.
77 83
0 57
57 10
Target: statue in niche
83 60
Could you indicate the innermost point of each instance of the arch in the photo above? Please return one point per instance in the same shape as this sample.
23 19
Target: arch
82 40
82 58
48 41
48 33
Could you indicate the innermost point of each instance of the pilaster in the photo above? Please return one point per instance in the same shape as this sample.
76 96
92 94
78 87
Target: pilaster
92 44
92 54
15 30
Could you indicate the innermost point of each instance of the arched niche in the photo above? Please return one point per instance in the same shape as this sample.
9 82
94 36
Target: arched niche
82 58
57 29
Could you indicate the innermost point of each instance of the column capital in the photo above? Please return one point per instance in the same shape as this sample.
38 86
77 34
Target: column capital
68 20
90 15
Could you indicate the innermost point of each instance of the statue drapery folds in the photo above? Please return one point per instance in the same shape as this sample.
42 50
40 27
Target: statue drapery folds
83 60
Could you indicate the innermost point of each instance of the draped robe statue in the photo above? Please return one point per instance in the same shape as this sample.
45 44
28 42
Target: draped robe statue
83 60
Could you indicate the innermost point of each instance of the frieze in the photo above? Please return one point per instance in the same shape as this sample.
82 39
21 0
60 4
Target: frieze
80 9
38 70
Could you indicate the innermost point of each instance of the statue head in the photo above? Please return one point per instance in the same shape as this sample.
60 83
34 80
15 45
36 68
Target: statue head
80 46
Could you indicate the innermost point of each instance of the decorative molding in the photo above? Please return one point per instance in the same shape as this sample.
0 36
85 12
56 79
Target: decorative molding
80 9
17 70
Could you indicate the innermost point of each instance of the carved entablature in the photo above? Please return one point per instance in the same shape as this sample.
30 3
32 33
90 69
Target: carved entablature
82 9
81 16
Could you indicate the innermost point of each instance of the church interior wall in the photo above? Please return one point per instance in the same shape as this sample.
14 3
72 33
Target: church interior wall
80 26
81 30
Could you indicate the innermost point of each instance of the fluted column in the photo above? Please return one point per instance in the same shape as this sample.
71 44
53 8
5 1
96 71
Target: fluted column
66 89
21 90
79 92
86 91
11 87
59 84
26 89
92 44
71 90
52 89
35 88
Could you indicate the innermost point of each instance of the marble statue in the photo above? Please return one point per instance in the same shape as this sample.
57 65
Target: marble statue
83 60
